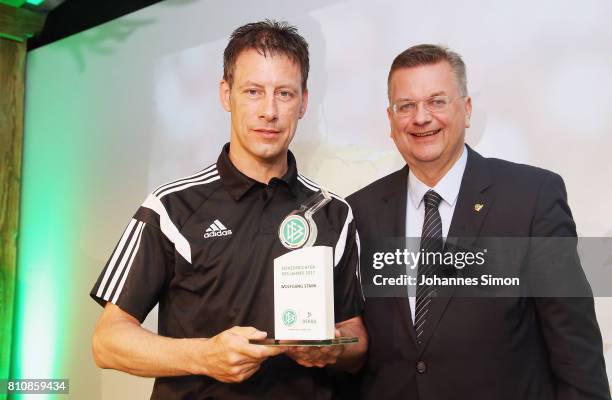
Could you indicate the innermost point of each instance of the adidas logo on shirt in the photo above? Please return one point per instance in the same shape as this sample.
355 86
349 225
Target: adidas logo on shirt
217 229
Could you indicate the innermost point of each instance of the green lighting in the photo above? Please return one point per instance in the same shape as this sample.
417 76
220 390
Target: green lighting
13 3
48 239
35 2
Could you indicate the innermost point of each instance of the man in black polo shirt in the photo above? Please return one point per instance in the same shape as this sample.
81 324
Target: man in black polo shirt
203 248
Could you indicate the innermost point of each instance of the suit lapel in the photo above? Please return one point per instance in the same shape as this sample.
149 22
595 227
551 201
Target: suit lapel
473 204
392 224
474 201
392 218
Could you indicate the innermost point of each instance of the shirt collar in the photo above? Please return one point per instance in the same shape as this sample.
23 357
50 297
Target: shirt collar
448 187
238 184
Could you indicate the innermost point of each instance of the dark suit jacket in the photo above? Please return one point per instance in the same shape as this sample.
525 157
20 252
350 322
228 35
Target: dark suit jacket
493 348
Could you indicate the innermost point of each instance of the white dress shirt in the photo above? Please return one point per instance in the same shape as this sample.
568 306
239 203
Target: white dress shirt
448 188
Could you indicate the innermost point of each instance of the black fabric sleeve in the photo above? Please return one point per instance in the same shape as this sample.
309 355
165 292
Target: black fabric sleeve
139 268
348 294
568 324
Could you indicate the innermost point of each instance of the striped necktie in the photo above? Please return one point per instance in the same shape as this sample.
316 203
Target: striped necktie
431 242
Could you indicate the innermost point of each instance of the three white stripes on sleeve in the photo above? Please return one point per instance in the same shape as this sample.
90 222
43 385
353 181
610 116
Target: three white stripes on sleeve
117 266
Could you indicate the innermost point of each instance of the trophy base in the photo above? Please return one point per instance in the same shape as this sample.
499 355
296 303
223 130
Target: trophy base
319 343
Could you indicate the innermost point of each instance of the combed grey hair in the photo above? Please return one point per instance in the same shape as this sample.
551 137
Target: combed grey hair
427 54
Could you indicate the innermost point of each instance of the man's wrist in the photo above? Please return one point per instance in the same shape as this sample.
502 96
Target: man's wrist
194 355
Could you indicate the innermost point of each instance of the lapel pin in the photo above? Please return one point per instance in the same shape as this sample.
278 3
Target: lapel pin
478 207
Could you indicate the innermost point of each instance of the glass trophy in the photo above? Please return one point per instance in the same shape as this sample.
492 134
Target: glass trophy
304 283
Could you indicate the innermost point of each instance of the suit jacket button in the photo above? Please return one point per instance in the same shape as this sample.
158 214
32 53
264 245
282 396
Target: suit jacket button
421 367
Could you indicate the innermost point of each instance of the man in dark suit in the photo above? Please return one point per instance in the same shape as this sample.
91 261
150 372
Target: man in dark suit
454 342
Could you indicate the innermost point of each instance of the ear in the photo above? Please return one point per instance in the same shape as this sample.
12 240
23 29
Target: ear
468 111
304 103
224 95
390 116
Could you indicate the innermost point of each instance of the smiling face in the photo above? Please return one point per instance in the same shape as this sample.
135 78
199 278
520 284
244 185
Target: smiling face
429 141
265 101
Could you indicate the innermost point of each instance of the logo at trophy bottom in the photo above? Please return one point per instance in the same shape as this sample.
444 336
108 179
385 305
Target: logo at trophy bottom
289 317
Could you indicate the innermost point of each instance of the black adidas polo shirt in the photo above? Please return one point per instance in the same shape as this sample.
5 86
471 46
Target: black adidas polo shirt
203 248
